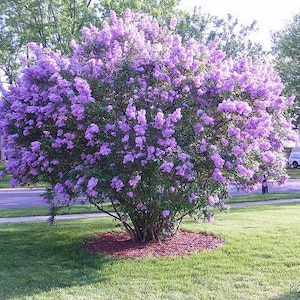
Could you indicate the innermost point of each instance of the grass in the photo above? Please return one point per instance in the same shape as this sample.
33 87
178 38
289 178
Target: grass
44 211
4 182
293 173
263 197
88 208
49 262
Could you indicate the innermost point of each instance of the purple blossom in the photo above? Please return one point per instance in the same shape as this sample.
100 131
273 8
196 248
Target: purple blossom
130 194
140 129
185 171
123 126
105 150
91 130
159 120
165 213
172 189
109 127
131 111
117 184
198 128
150 152
210 217
202 146
133 182
268 157
175 116
167 166
218 160
129 157
35 146
77 111
213 199
141 206
92 183
207 120
83 89
218 176
173 23
183 156
244 171
139 142
192 198
141 117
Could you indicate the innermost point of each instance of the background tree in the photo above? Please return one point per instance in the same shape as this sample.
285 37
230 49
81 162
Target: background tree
234 37
51 24
162 10
286 49
137 118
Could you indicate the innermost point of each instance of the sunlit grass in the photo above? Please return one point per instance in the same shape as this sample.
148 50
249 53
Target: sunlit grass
44 210
262 197
88 208
294 173
259 260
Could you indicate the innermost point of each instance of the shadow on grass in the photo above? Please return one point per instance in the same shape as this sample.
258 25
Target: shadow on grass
291 296
36 258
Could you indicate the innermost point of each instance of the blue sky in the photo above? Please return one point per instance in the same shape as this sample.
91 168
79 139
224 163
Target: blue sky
271 15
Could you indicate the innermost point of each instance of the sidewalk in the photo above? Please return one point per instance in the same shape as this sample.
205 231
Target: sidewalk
102 215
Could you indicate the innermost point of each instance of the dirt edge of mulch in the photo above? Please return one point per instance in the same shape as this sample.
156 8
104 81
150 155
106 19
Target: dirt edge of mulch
119 245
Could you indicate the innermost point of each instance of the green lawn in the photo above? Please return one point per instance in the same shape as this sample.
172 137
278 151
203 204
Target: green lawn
264 197
259 260
4 182
87 208
44 211
294 173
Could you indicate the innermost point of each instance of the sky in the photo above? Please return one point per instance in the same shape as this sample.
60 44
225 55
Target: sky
271 15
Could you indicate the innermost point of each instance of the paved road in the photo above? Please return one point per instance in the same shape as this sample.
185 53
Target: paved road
10 198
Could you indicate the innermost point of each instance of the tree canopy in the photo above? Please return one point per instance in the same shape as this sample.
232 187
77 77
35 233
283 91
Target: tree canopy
53 24
286 48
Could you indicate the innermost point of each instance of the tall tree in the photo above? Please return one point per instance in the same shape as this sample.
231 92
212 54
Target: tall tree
51 24
163 10
286 49
233 36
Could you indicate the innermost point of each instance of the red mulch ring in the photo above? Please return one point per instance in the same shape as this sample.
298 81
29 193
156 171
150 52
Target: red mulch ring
119 244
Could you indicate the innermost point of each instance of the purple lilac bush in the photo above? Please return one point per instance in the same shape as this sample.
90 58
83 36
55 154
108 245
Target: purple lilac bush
136 118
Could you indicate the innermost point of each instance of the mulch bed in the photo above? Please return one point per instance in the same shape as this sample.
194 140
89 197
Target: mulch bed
119 244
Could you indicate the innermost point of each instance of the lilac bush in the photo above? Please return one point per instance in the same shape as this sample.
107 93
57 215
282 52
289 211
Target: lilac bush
138 119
